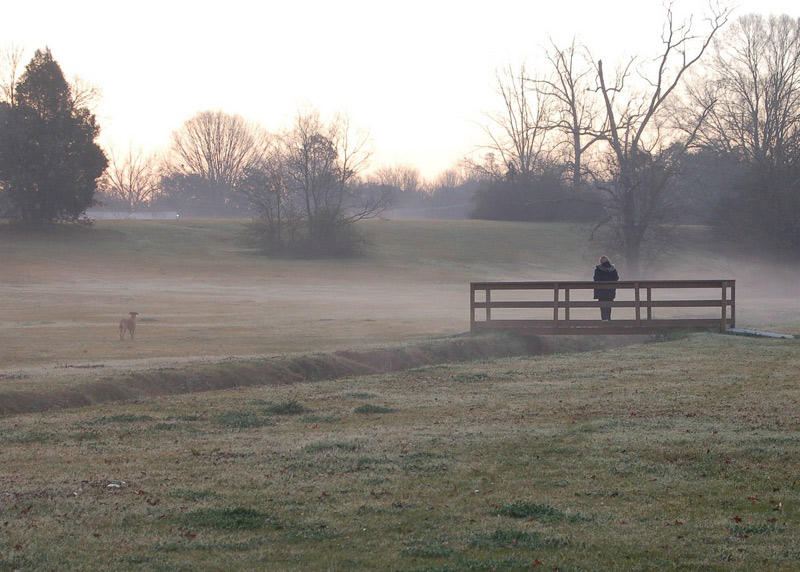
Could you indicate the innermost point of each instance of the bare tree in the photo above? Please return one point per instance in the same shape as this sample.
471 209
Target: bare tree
10 63
84 93
453 177
642 149
275 222
314 174
517 134
756 118
217 147
757 113
404 178
575 112
131 178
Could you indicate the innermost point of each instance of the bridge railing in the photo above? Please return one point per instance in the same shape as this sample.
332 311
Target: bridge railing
568 307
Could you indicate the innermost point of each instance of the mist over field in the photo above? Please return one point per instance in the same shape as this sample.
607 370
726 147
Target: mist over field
289 414
201 294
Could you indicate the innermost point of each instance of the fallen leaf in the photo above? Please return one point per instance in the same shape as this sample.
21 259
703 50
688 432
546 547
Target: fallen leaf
737 519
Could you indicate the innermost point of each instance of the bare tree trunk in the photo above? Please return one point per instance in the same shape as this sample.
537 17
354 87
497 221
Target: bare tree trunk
641 158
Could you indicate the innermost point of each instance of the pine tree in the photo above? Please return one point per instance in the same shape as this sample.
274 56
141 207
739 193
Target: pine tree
49 161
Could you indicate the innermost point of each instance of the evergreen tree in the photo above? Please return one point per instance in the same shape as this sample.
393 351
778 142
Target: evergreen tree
49 161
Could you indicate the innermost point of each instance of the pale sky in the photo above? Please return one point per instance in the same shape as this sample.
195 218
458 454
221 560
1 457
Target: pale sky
418 75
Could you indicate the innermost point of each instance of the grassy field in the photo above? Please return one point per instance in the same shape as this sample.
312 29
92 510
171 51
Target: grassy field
676 455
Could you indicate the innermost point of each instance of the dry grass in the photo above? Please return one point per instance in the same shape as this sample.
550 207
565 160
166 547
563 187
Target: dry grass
680 455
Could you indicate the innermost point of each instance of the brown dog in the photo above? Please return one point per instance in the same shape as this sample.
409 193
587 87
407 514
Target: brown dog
128 324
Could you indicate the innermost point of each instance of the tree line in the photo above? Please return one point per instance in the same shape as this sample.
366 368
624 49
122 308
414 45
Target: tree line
703 130
301 187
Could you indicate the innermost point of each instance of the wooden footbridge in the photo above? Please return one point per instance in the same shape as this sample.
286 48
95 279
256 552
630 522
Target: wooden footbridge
568 308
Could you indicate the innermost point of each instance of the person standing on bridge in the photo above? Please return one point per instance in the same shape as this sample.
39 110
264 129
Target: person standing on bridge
605 272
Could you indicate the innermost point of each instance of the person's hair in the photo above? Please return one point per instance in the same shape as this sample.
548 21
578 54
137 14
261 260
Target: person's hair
603 259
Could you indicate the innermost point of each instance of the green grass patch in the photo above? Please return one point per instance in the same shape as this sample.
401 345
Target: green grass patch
194 495
28 437
750 529
532 511
471 377
121 418
288 407
369 408
515 539
430 548
242 420
228 519
335 446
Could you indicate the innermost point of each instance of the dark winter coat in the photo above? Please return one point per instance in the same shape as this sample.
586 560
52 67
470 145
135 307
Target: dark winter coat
605 272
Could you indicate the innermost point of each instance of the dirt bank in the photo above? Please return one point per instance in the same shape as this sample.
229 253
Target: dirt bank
242 372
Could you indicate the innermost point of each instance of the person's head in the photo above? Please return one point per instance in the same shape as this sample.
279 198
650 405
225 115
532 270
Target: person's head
604 260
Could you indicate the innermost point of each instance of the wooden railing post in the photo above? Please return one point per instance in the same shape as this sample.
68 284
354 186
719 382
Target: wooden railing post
733 304
637 304
724 321
472 308
488 304
566 303
555 303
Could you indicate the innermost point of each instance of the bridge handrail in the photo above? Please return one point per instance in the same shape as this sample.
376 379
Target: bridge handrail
643 306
